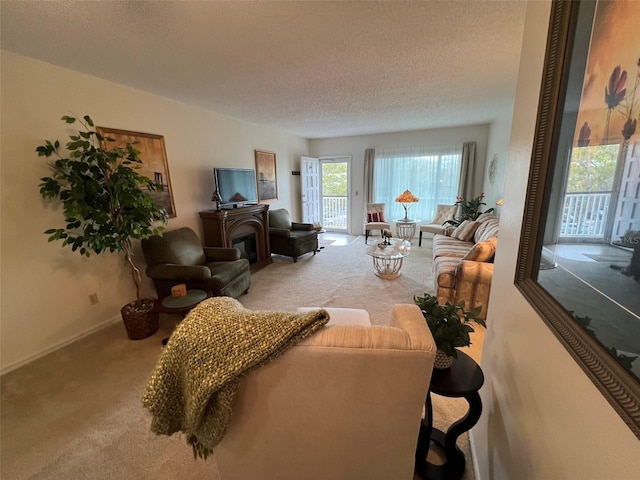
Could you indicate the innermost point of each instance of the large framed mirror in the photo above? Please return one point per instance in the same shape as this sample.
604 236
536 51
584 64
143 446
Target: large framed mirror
579 262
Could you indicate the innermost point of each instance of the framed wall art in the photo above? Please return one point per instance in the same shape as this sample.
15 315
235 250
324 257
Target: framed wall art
266 176
154 161
579 261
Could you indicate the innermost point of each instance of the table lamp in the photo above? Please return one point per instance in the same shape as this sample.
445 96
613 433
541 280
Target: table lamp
406 198
216 198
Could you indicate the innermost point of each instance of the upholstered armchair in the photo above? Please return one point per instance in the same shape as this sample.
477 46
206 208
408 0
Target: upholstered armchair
436 224
179 257
375 219
290 238
344 404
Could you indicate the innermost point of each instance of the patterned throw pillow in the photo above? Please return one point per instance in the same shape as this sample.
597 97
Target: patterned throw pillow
484 217
465 230
375 217
482 251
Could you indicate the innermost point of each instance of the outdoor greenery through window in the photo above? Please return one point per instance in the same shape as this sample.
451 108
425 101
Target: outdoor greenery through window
592 168
334 179
588 192
430 173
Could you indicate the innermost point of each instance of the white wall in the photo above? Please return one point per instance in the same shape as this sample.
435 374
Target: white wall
44 287
542 416
498 146
355 147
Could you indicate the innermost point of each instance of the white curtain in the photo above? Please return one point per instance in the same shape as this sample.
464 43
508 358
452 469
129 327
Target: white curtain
431 173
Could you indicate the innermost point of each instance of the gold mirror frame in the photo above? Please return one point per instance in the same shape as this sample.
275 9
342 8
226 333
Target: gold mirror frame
618 386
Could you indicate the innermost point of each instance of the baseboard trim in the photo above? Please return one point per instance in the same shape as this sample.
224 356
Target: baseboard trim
58 346
474 457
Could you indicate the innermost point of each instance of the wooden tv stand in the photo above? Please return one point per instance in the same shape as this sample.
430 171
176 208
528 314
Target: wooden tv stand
223 227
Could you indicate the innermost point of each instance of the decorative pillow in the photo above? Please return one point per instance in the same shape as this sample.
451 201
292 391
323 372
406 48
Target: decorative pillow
375 217
485 216
465 230
449 230
482 251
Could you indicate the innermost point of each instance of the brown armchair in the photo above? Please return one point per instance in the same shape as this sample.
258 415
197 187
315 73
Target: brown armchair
179 257
290 238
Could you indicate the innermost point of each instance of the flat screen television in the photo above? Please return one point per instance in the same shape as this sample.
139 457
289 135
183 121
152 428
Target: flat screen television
236 186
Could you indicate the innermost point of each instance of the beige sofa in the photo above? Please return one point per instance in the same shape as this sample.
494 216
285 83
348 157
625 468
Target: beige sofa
463 265
345 403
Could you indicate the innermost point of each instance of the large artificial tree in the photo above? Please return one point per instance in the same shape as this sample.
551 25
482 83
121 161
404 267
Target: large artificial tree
106 202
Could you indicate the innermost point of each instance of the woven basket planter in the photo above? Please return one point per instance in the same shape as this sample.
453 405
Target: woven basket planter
140 321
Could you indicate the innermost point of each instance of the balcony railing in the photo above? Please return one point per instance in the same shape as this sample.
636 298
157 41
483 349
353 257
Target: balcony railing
584 215
334 213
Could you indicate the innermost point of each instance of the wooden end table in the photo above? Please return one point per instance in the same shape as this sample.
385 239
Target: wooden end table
180 305
463 379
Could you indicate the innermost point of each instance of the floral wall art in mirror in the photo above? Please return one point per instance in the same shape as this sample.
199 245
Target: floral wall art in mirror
579 256
154 161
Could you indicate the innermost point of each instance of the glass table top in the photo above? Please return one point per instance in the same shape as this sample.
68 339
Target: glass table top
397 249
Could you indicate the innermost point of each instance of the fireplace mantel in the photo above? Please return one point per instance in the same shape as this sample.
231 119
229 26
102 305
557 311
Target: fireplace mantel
221 227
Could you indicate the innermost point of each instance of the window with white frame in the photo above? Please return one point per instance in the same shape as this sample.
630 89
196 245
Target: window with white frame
430 173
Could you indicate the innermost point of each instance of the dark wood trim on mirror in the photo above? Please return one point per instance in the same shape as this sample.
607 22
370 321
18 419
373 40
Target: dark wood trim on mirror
620 388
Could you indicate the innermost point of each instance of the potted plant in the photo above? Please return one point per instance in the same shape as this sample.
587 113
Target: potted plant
469 209
449 325
106 204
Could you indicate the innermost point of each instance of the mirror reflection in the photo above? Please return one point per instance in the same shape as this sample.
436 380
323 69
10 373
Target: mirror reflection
590 257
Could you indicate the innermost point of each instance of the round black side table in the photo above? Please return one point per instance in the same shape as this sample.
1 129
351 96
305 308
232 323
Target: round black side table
463 379
180 305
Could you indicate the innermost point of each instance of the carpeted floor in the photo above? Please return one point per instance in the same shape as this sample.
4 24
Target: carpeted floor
594 289
76 413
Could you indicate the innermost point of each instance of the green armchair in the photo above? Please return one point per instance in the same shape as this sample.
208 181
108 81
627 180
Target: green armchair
290 238
179 257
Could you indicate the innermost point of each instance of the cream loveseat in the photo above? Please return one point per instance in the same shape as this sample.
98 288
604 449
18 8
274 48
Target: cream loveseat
345 403
463 262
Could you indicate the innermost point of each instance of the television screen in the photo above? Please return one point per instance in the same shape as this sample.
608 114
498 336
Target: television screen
236 186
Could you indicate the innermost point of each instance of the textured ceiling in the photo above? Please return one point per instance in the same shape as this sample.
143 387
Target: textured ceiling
316 69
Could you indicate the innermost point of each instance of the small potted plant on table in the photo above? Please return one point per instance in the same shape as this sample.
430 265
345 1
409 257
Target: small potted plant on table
106 204
449 325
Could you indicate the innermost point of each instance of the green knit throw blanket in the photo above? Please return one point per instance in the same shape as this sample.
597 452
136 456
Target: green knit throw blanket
193 384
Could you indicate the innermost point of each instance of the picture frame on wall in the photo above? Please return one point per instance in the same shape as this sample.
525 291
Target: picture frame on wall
154 161
576 257
266 175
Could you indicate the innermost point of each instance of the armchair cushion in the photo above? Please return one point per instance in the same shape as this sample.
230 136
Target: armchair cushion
171 271
178 247
301 226
221 254
443 213
280 218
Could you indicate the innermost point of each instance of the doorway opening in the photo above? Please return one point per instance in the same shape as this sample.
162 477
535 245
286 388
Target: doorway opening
334 194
